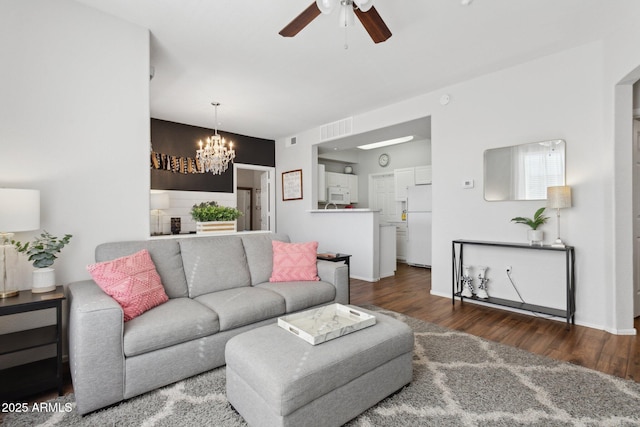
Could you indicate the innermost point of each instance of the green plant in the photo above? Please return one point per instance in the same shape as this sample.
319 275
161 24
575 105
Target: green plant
537 221
210 211
43 249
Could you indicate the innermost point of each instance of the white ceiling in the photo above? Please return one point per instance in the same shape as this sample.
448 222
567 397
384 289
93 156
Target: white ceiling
270 87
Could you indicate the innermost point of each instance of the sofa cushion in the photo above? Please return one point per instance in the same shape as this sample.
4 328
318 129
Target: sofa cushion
165 255
177 321
302 295
259 252
132 281
294 261
243 306
214 264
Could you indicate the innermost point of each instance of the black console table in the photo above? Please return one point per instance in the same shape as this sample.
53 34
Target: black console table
457 248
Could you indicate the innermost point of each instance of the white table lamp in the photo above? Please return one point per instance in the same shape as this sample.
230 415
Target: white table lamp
558 197
19 211
157 202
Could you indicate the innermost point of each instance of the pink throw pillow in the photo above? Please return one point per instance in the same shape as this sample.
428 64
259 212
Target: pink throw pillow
132 281
294 261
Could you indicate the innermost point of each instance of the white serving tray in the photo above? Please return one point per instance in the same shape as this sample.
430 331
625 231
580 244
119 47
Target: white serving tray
326 323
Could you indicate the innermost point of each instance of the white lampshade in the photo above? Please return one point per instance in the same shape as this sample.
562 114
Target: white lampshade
559 197
159 201
326 6
364 5
19 210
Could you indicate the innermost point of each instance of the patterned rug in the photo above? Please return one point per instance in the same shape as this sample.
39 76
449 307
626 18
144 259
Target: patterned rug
459 380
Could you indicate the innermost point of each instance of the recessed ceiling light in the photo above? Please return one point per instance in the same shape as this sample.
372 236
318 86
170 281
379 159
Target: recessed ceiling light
466 2
385 143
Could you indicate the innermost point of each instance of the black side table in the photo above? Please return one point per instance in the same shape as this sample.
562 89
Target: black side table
338 258
30 378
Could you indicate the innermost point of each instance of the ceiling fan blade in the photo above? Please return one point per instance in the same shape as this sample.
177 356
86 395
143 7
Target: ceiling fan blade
301 21
373 23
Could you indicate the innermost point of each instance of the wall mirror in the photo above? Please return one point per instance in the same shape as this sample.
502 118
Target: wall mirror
523 172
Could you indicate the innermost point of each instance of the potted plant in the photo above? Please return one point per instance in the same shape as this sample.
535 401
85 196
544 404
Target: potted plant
212 218
534 235
42 253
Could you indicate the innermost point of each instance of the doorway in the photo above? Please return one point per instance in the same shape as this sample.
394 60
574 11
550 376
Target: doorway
245 205
255 195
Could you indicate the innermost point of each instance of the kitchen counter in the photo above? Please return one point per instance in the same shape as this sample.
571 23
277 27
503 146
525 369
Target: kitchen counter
190 235
350 231
355 210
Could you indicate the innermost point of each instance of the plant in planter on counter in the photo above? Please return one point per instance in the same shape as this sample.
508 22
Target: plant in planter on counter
210 211
534 235
42 253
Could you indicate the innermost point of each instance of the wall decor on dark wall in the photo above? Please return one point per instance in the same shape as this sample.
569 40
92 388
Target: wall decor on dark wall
178 142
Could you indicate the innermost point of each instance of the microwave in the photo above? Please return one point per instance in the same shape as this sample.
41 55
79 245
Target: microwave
338 195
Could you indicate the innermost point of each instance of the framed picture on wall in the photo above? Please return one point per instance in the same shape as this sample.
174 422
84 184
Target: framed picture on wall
292 185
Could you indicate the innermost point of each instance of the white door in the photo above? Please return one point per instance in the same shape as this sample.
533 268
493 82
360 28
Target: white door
244 206
382 197
636 217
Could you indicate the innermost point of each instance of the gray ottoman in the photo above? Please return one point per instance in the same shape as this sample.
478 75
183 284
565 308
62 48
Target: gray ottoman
277 379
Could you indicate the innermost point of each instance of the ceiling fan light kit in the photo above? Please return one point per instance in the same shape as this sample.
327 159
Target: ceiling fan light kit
349 9
347 17
327 6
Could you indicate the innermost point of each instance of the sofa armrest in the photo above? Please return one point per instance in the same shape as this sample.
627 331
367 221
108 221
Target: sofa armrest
336 273
96 356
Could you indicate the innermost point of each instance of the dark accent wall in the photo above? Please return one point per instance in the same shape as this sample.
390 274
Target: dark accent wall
177 139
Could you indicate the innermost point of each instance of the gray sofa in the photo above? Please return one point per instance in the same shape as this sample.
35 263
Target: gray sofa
218 287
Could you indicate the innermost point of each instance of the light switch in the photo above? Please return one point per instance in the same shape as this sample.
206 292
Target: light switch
467 183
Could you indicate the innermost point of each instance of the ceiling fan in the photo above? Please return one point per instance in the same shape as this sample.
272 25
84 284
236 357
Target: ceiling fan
363 9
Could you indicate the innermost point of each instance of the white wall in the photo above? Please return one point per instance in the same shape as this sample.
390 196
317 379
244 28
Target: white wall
567 95
532 102
74 123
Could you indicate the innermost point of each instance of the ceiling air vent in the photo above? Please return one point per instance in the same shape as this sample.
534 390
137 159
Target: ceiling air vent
336 129
291 142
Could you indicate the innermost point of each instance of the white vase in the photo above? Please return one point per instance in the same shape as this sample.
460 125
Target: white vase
535 237
44 280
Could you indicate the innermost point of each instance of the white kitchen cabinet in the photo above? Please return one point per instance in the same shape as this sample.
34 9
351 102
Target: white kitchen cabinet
403 178
335 179
423 175
353 188
322 186
401 242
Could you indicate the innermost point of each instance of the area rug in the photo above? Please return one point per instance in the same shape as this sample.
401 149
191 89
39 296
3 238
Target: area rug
459 380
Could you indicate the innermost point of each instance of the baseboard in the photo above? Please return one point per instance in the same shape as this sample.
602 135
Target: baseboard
613 331
366 279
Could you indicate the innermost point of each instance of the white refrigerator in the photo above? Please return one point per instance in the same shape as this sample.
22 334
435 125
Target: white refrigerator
419 225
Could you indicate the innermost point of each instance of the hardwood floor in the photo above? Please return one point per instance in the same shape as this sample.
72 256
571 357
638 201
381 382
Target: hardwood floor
409 293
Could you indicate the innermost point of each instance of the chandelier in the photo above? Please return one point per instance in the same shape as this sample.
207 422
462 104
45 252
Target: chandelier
215 157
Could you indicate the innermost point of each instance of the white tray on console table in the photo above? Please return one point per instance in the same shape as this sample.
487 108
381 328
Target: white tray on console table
326 323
